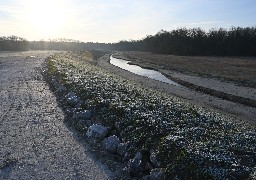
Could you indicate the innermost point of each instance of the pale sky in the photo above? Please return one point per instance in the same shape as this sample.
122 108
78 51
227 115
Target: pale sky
115 20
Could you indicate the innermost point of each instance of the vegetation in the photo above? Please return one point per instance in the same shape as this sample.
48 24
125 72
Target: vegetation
236 41
13 43
186 141
66 45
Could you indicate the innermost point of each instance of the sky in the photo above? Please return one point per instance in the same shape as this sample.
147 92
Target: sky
114 20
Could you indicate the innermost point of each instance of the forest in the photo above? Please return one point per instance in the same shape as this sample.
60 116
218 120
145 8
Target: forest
236 41
66 45
13 43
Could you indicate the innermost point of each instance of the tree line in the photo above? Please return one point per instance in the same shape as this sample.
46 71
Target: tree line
13 43
236 41
67 45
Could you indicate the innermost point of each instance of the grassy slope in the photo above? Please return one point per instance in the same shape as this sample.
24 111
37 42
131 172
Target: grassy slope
188 140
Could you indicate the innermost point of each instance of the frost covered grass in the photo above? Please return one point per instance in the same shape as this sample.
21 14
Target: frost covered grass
184 140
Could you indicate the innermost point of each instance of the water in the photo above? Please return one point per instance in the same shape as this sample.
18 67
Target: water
152 74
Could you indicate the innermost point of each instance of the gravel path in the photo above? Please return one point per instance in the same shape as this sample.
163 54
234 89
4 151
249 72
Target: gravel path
34 141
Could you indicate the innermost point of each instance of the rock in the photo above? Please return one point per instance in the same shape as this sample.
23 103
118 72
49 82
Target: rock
70 95
85 115
253 174
199 131
72 99
70 111
117 125
88 122
122 174
97 131
55 82
147 177
157 174
121 149
239 172
178 140
81 125
155 159
134 164
111 143
139 165
127 157
61 90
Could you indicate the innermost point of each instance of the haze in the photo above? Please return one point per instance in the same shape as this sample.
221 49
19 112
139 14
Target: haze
113 20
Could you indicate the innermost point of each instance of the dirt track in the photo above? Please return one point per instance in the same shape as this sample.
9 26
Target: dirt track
34 141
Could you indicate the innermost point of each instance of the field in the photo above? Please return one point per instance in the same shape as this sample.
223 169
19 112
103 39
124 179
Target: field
240 70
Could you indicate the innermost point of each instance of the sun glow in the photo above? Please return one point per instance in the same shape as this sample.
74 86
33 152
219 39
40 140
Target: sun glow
47 17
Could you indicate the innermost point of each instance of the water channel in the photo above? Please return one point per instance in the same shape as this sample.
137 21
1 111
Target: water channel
152 74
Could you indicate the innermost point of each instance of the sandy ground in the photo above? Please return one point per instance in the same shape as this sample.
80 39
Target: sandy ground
237 110
35 143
